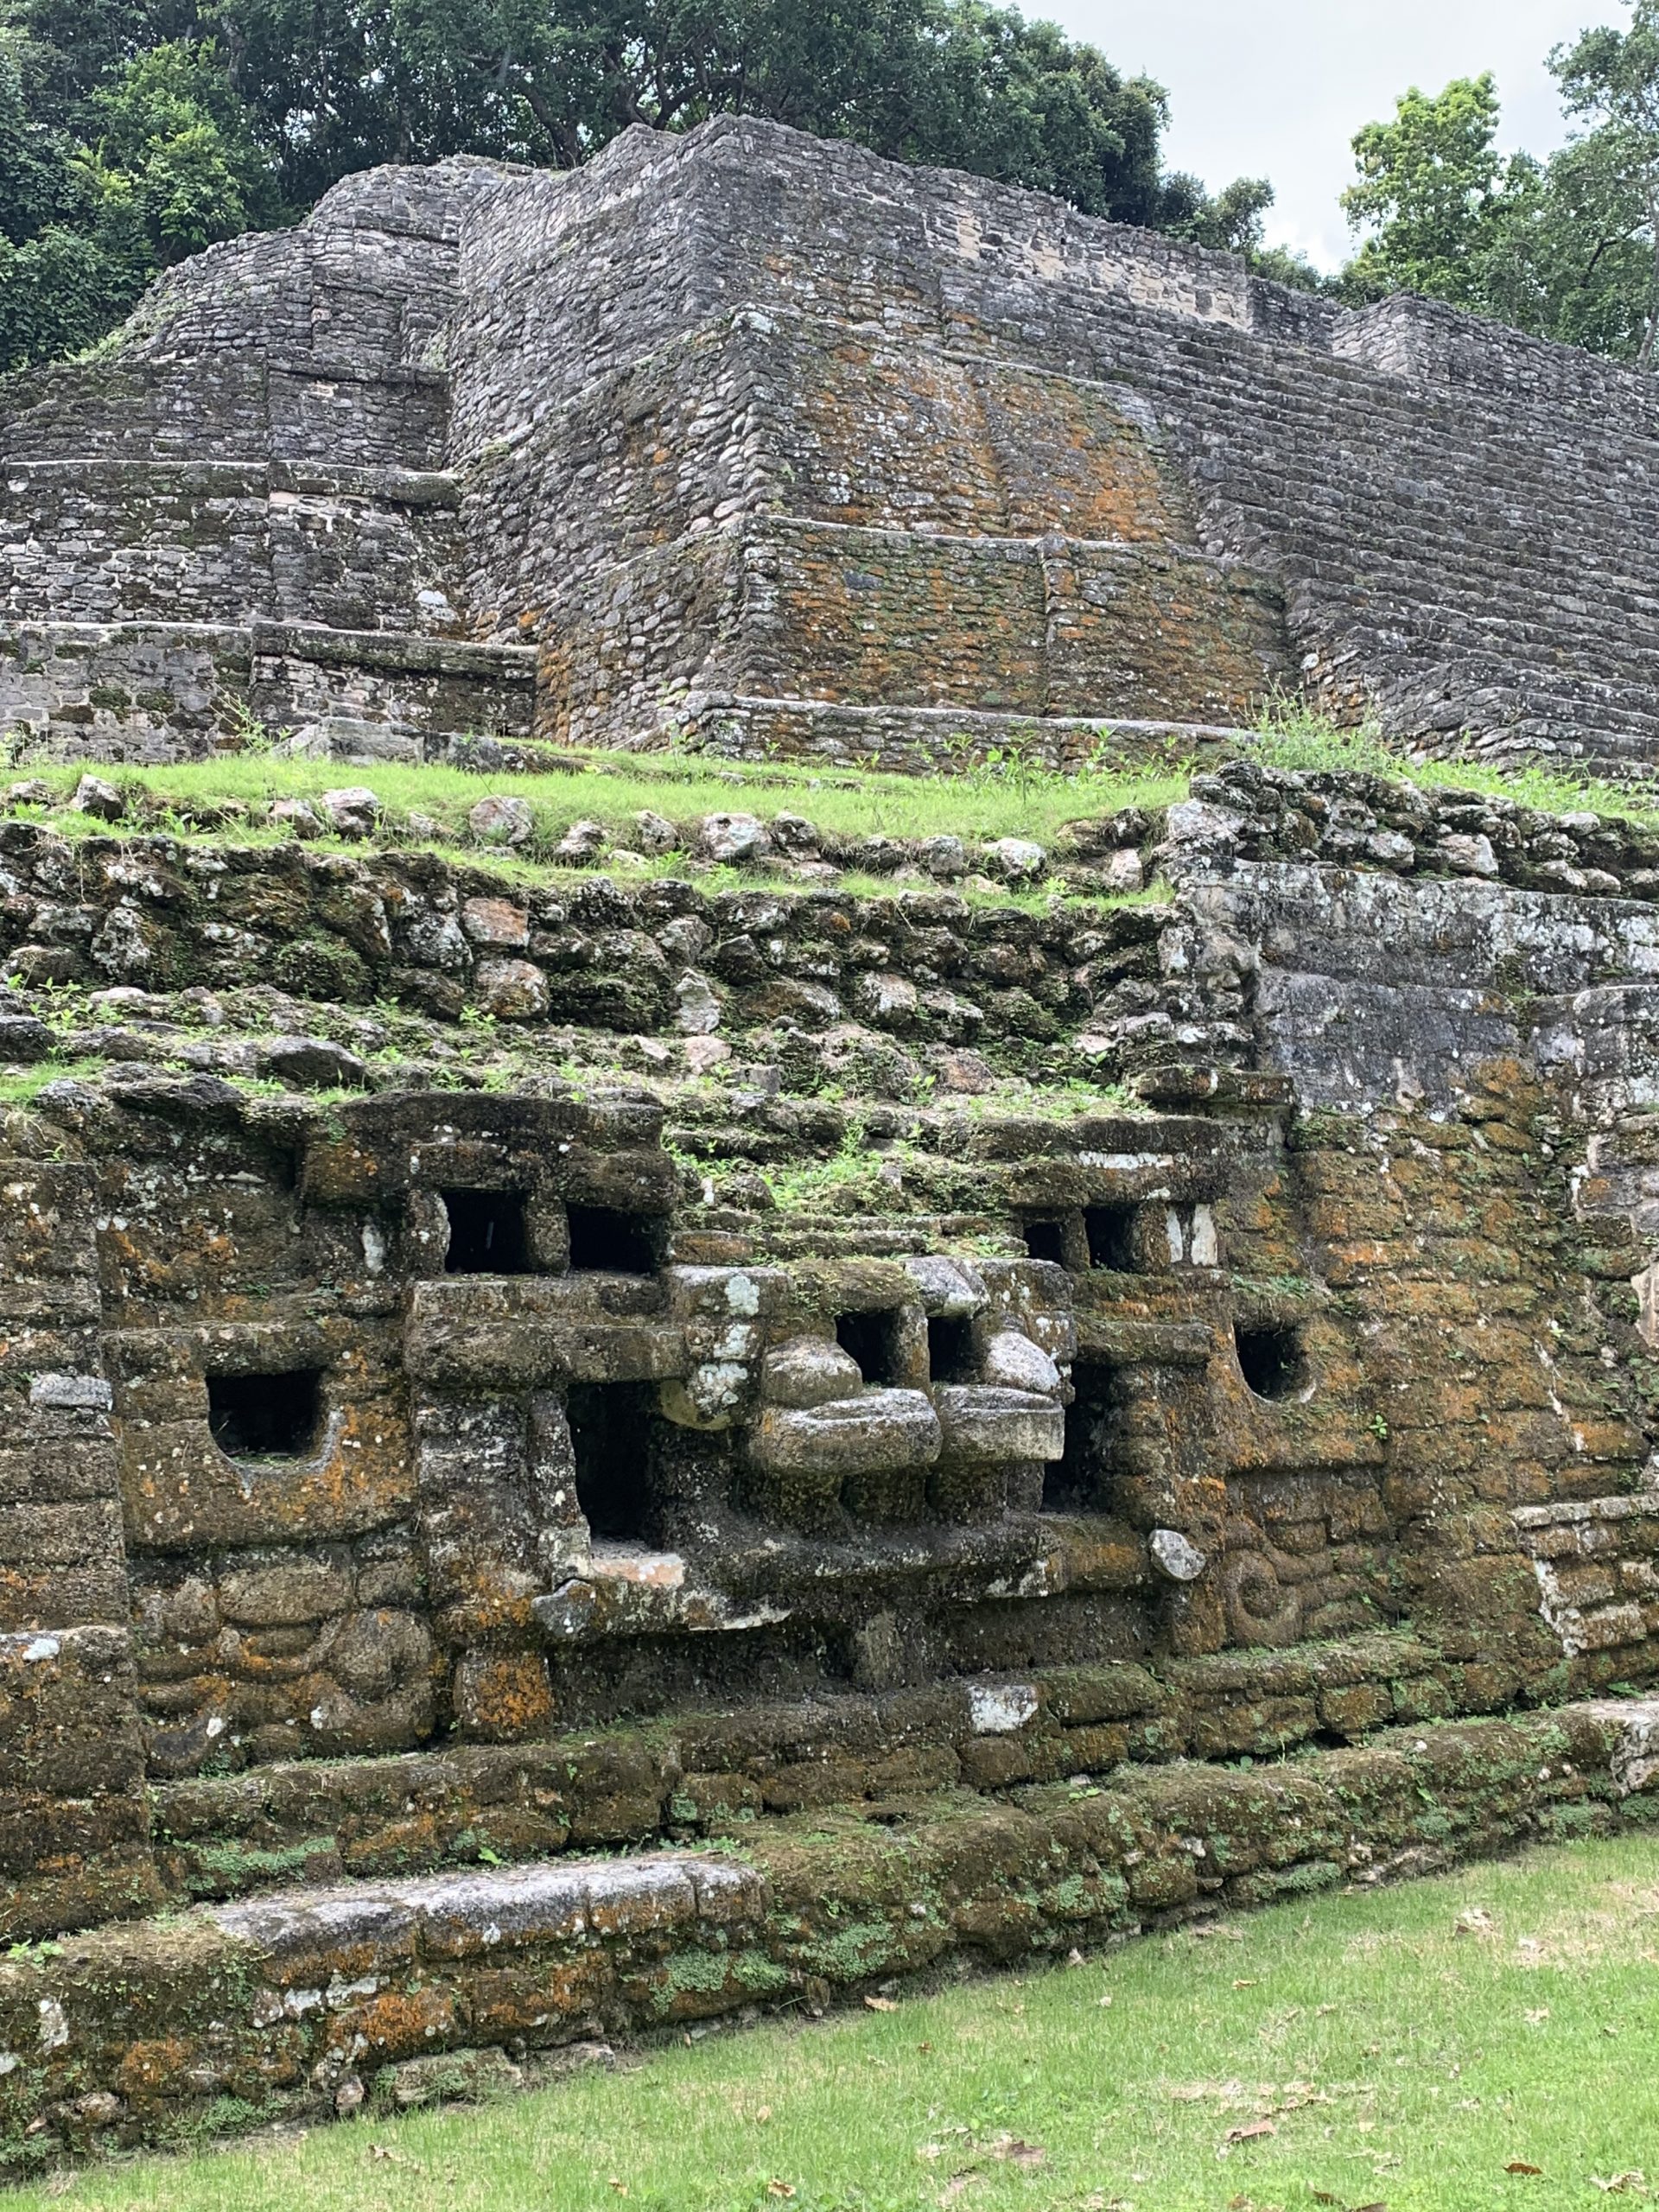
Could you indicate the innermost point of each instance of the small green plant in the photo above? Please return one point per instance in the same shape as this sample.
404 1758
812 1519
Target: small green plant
1292 734
251 735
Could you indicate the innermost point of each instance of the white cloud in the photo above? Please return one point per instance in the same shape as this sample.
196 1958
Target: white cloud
1279 87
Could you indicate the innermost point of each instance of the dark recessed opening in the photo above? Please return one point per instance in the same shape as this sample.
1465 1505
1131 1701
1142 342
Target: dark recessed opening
265 1416
609 1427
486 1233
872 1339
950 1351
1076 1483
1270 1360
616 1243
1046 1240
1110 1231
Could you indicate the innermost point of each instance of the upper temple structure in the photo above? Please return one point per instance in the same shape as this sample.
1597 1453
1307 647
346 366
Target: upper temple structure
774 446
612 1413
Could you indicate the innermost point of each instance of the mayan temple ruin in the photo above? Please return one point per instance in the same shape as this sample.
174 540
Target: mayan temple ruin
601 1437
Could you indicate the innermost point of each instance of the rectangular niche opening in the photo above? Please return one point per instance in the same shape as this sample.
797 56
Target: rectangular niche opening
1110 1231
1271 1360
1077 1483
1046 1240
605 1241
950 1351
266 1416
609 1428
870 1340
486 1233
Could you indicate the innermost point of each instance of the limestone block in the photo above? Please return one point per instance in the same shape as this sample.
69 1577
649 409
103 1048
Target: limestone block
496 923
22 1038
1016 860
809 1371
733 840
448 2077
512 990
949 1290
95 796
1469 855
296 814
497 821
312 1064
357 743
981 1426
1012 1362
944 857
1175 1556
699 1010
582 843
353 810
285 1589
504 1697
879 1431
890 1001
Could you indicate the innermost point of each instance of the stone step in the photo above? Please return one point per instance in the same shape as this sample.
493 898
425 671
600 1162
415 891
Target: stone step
313 2001
922 740
158 691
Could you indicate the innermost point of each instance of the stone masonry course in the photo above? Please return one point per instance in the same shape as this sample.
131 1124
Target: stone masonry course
606 1427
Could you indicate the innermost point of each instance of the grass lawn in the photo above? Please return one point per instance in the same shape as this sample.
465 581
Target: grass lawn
1002 801
1006 795
1425 2048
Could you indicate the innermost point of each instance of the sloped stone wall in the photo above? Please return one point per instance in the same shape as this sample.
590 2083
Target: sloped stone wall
1384 470
655 381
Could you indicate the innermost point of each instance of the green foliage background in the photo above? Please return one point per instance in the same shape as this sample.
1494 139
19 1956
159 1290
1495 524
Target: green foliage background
1565 249
134 132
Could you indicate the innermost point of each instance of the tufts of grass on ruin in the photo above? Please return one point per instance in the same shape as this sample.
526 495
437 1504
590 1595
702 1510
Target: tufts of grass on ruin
1002 798
1473 2044
1291 735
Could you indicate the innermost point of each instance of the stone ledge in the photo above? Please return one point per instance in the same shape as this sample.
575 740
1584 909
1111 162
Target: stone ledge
293 2005
689 1776
392 649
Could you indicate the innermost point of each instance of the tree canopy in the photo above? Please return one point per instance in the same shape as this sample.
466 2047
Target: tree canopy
1566 248
134 132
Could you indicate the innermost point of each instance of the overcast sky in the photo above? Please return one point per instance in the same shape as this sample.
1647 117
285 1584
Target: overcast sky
1279 87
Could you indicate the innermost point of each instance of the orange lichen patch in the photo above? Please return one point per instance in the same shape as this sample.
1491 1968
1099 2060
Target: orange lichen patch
1072 462
153 2069
487 1601
1156 631
508 1698
339 1172
396 2025
179 1488
1093 1555
544 2001
890 440
928 622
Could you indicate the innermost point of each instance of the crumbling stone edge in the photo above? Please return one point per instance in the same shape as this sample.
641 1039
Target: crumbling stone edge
316 2002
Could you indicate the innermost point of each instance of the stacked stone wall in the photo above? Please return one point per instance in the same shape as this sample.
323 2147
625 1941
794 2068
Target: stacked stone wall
715 334
1241 1419
1382 468
500 1364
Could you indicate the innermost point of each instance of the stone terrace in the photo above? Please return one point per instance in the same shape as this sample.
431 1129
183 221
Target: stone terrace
770 444
601 1428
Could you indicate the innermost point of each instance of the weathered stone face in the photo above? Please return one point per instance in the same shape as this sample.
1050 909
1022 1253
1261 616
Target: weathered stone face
400 1474
510 1356
1081 474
